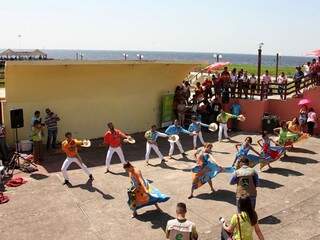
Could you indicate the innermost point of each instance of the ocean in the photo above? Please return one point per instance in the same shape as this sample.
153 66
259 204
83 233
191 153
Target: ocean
176 56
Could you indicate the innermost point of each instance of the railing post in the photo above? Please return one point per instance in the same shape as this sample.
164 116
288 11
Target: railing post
285 91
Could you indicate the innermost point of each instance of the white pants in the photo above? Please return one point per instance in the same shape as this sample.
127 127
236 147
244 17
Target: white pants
195 137
223 127
67 163
150 146
172 147
110 152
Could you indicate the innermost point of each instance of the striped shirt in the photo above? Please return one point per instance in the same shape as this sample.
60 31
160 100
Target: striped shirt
52 121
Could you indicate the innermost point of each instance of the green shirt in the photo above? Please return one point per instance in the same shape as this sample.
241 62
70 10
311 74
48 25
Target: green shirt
224 117
246 228
36 134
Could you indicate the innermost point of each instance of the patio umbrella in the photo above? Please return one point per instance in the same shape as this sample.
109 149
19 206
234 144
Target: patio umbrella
216 66
304 102
314 53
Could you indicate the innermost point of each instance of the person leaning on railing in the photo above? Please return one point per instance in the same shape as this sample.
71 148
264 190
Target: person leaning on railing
282 81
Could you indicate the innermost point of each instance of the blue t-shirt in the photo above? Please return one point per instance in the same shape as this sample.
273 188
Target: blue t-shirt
236 109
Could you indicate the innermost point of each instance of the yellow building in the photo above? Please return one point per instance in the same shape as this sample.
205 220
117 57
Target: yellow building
88 94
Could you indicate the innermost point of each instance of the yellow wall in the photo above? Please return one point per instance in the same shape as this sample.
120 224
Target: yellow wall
86 95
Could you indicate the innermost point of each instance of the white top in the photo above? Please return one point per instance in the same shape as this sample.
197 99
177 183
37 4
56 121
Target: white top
266 79
312 117
281 79
181 230
253 80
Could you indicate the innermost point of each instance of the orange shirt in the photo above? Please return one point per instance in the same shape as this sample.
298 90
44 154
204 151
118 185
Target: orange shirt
114 139
71 148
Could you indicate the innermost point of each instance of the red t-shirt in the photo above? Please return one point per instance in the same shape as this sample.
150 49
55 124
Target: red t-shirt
114 139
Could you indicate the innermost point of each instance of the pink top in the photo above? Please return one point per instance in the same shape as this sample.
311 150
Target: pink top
312 117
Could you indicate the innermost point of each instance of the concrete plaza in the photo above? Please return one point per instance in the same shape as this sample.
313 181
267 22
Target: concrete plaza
288 203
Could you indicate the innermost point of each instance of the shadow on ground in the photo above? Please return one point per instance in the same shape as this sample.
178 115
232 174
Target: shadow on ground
301 160
284 172
271 220
264 183
302 150
156 218
89 187
221 195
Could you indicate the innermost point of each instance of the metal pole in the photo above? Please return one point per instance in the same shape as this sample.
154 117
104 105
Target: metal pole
277 65
259 64
217 57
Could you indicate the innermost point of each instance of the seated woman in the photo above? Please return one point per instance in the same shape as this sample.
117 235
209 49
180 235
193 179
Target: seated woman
141 193
205 169
286 138
243 151
242 224
269 153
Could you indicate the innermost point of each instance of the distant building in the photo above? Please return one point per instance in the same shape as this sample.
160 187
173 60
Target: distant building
23 55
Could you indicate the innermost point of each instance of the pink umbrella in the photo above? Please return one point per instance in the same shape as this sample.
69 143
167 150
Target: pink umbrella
304 102
216 66
314 53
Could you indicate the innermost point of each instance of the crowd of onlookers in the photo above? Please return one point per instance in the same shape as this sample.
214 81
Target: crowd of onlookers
206 98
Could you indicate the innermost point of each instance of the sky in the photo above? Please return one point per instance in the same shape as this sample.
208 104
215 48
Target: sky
226 26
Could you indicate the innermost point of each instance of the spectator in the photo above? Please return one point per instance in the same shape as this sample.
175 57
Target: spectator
240 83
243 223
36 136
3 144
235 110
216 85
181 109
199 91
297 79
253 85
245 84
51 122
247 181
266 80
181 228
36 117
282 81
225 82
178 96
207 85
186 90
216 108
233 82
306 69
311 121
303 116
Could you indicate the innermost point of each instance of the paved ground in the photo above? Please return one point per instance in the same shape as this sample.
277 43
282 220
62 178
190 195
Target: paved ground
288 198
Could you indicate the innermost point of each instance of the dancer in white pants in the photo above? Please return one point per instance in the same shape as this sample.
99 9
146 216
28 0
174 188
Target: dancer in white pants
222 119
112 138
176 129
195 127
151 136
70 147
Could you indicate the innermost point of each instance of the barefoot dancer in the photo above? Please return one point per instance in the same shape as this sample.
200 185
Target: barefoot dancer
70 147
141 193
243 151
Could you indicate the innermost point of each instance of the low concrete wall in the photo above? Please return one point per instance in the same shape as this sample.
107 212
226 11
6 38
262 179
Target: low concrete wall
285 109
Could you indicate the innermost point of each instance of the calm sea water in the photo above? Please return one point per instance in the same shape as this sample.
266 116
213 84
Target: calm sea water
175 56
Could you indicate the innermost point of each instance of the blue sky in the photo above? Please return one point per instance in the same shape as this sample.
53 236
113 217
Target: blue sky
234 26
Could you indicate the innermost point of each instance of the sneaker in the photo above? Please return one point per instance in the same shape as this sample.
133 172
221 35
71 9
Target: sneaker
91 177
66 182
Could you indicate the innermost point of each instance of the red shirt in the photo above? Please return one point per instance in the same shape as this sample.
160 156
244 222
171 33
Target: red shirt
114 139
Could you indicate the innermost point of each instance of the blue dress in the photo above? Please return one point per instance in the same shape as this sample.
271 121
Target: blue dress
244 152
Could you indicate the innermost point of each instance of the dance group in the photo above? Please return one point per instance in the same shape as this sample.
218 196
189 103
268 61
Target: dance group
142 193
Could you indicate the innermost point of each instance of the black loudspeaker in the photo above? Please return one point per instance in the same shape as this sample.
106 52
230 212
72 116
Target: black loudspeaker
16 117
